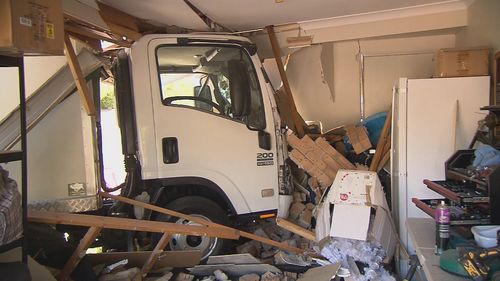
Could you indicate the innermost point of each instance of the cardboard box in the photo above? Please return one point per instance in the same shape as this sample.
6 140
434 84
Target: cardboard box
360 211
31 27
358 137
462 62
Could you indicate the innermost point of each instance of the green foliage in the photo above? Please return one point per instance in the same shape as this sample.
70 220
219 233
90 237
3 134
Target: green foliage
108 96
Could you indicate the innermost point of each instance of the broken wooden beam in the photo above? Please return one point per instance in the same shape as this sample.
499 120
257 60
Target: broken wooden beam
75 29
130 224
164 240
382 140
120 22
286 85
80 82
201 221
309 235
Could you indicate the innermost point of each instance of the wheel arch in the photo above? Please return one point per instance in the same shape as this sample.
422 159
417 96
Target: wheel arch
164 191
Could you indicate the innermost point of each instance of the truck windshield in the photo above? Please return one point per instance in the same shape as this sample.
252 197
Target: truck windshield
197 77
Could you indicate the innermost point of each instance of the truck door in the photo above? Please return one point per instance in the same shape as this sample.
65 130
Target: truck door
199 130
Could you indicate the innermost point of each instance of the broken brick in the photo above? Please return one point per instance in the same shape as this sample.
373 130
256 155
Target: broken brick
269 276
305 218
252 248
297 197
262 233
295 209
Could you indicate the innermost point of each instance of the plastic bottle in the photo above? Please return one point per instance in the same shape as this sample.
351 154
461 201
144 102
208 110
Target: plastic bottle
442 217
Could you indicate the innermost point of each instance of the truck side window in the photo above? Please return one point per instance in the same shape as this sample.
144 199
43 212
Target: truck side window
196 76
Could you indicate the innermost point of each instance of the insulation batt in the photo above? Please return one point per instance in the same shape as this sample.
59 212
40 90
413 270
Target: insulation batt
337 249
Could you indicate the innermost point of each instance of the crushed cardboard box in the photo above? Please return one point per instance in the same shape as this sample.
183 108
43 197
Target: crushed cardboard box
358 137
354 195
317 157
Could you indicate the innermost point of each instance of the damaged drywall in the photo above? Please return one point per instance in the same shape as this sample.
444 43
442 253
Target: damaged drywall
311 89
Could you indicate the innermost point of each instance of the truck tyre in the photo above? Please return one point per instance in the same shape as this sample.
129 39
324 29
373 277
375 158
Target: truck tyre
199 207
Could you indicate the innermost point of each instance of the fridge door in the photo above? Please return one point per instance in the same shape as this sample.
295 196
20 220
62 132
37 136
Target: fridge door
433 118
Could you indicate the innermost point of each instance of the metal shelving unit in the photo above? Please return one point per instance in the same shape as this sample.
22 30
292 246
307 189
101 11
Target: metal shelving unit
16 155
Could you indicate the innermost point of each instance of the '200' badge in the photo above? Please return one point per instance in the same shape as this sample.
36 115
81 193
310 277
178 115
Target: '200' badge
265 159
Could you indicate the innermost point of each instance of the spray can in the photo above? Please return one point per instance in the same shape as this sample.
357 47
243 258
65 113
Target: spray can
442 217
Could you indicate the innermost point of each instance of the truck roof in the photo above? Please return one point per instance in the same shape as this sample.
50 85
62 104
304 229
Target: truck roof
198 35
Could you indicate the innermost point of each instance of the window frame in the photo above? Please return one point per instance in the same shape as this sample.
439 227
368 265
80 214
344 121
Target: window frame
215 44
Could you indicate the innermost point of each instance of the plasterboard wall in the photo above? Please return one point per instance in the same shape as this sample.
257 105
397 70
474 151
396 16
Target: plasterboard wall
483 28
345 107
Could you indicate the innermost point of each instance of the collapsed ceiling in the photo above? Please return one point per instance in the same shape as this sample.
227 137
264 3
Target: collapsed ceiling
240 15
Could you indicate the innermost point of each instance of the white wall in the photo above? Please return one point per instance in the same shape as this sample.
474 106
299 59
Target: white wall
383 65
483 27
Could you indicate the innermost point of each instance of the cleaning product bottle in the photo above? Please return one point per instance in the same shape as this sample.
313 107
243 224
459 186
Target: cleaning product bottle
442 217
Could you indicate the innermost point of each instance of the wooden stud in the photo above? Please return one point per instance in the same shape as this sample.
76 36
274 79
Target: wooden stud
384 137
277 55
384 160
309 235
123 31
118 17
164 240
201 221
130 224
92 33
79 252
76 71
92 43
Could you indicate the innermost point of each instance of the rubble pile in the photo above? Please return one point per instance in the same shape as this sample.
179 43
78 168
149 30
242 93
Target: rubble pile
320 251
370 253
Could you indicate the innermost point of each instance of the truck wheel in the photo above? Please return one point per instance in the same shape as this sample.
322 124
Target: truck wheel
198 207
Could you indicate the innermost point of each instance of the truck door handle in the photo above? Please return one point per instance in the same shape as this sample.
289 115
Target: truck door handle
170 150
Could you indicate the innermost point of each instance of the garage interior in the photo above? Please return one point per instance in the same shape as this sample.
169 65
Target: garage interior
270 140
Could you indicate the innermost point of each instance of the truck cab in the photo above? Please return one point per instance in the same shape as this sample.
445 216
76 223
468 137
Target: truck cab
200 131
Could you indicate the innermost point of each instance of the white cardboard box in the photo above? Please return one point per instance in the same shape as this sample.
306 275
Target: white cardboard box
356 196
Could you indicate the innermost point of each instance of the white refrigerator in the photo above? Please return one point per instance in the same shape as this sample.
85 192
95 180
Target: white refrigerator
431 119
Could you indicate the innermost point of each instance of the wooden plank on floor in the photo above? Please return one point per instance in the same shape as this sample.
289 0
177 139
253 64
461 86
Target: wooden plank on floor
148 265
138 258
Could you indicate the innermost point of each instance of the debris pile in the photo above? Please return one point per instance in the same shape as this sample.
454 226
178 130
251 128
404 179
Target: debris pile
338 224
368 253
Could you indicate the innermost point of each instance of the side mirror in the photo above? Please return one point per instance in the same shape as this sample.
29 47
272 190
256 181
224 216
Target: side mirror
239 88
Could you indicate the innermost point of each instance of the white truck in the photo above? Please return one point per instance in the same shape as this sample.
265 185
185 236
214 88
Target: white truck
200 131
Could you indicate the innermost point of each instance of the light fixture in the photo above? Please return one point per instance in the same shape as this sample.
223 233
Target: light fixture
299 41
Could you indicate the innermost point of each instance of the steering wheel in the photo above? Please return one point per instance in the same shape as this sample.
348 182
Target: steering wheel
169 100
